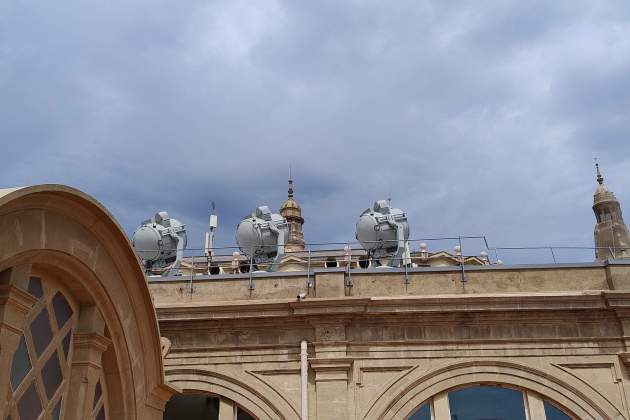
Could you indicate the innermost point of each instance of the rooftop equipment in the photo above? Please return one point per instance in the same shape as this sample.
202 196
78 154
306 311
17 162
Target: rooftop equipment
159 242
209 242
262 236
384 232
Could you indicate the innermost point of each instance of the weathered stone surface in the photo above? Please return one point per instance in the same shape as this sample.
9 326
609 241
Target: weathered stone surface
557 331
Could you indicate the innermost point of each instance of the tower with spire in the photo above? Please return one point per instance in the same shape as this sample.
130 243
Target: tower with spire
292 212
612 239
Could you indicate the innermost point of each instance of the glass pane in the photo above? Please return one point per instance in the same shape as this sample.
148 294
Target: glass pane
243 415
51 375
63 311
423 413
554 413
35 287
97 393
101 414
486 402
41 332
21 364
56 411
29 406
192 406
66 344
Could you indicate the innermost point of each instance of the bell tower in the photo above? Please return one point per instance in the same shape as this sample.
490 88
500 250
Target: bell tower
612 238
291 211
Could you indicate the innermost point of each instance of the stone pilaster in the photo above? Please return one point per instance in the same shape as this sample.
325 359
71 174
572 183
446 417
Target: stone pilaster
89 345
332 370
15 304
331 384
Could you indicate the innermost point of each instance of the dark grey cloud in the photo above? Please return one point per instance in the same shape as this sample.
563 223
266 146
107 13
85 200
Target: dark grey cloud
476 117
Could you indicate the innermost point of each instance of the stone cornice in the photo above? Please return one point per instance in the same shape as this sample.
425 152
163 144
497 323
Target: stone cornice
589 303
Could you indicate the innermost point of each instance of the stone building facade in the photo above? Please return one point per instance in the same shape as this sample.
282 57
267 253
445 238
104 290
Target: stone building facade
319 342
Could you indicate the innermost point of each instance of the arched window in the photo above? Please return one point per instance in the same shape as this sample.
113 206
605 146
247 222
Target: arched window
423 413
40 369
487 402
554 413
203 407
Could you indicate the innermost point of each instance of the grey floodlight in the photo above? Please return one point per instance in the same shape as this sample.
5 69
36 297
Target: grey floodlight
159 242
383 232
262 236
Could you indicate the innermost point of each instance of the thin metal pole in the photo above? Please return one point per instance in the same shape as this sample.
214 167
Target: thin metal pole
462 260
349 284
192 273
308 269
553 255
251 268
406 271
303 380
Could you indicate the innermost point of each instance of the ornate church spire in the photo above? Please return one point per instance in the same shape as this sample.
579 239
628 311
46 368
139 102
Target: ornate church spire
291 211
600 178
612 238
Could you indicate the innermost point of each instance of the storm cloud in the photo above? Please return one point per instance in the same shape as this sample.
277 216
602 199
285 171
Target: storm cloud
477 118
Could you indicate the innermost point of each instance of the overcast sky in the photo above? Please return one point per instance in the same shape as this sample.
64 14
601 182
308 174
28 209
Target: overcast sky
478 117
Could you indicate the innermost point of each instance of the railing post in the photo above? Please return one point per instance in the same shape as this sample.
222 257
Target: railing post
192 273
251 269
349 282
406 270
462 260
553 255
309 285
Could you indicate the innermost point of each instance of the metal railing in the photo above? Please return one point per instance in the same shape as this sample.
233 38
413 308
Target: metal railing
350 255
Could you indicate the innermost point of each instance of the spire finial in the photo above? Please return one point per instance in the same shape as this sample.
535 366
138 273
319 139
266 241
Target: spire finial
290 182
600 178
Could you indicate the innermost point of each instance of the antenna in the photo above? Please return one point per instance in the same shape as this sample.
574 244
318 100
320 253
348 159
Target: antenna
209 242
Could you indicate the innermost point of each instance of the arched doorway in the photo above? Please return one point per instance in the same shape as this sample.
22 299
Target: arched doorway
485 401
195 406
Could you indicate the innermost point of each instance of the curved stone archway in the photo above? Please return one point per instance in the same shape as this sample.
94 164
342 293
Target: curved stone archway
410 391
261 403
61 233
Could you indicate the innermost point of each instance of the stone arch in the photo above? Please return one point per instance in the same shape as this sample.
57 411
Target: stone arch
411 390
263 404
64 233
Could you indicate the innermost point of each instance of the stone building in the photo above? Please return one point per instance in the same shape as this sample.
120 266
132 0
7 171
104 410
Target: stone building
325 338
292 212
611 233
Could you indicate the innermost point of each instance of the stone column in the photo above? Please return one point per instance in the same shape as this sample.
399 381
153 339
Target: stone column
89 345
15 304
227 410
535 406
441 408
